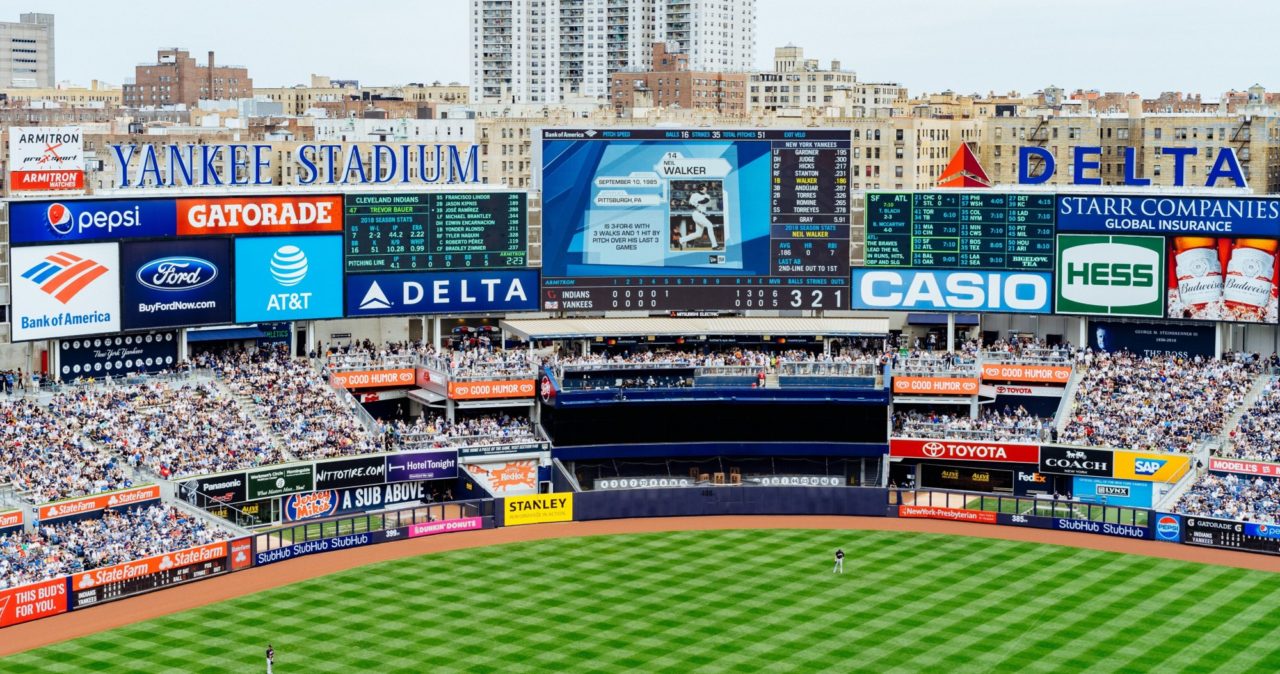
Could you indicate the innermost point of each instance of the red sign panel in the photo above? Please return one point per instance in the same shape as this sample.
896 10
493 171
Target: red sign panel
954 386
1030 374
11 519
484 390
34 601
964 450
954 514
259 215
241 554
115 499
373 378
151 565
1245 467
45 181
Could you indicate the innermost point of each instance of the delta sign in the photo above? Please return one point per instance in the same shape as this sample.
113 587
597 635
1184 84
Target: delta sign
965 171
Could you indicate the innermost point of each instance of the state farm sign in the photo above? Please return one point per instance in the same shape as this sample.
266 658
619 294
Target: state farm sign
961 450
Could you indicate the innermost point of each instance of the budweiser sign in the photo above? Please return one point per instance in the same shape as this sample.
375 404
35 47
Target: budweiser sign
962 450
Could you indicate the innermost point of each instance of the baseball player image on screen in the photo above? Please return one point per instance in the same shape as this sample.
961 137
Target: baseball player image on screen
697 215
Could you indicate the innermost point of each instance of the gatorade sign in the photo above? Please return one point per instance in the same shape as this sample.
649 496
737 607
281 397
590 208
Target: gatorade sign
1103 275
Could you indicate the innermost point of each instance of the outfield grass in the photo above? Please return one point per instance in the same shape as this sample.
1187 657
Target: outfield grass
732 601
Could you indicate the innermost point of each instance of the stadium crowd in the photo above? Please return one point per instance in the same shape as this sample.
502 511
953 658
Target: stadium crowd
1159 403
1257 437
436 431
45 455
1006 424
1233 497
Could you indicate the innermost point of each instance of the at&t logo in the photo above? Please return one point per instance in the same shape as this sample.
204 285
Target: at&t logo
289 268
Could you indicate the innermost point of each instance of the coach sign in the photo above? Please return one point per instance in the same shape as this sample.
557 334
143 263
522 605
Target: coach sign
1061 460
961 450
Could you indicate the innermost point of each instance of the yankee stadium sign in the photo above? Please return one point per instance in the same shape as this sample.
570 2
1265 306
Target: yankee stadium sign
189 165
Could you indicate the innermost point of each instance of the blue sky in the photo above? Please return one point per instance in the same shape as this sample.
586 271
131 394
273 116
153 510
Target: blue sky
1146 46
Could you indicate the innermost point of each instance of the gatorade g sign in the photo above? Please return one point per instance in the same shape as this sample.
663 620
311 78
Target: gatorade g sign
1110 275
960 450
921 290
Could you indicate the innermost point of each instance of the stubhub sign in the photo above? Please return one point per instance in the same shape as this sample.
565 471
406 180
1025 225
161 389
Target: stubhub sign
71 220
448 292
918 290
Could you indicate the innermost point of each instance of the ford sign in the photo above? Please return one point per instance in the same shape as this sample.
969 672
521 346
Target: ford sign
177 273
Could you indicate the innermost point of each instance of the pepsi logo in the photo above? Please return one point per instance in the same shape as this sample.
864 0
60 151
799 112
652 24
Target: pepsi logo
170 274
1167 528
59 217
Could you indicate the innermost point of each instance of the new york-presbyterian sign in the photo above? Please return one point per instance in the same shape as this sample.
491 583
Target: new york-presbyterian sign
315 164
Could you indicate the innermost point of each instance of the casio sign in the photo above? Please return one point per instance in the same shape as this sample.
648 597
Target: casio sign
1110 274
171 274
951 290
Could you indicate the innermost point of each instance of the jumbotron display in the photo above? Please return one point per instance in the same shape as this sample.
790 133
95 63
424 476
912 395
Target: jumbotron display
434 231
938 230
701 219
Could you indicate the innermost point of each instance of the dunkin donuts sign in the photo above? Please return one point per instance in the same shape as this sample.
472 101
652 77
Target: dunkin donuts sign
961 450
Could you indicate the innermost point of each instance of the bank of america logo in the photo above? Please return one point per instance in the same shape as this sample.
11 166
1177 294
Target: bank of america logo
63 275
375 298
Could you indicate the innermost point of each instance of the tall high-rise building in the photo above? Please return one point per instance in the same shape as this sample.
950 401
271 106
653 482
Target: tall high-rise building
26 52
547 51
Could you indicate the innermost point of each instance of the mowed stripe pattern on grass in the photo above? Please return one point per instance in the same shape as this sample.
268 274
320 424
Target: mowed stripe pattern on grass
732 601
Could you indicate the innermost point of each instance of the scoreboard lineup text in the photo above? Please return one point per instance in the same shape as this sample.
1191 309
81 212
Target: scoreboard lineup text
435 231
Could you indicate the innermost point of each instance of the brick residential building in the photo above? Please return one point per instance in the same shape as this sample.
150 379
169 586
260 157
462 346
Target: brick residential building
671 84
175 78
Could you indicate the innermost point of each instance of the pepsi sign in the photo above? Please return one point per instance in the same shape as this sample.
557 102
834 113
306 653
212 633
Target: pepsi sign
91 220
176 283
1168 528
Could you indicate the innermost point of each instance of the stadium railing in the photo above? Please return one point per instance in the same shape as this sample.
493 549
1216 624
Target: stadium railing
1009 504
322 529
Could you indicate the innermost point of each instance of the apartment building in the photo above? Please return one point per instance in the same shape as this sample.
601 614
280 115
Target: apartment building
176 79
27 52
672 84
799 83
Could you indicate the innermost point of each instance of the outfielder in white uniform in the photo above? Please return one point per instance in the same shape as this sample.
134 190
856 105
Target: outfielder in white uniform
271 657
700 201
839 561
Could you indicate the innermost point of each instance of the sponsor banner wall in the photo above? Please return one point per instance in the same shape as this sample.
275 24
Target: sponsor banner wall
293 479
286 278
357 379
262 557
537 509
499 450
138 576
65 291
175 283
1182 216
1030 481
1030 374
1083 526
958 386
1168 527
930 290
411 466
1066 460
73 220
953 514
963 450
248 513
202 491
442 292
1152 339
1244 467
10 521
294 214
1223 279
46 159
506 478
965 478
1104 275
32 602
1032 391
331 502
1232 535
356 472
488 390
89 504
1110 491
1151 467
446 526
114 356
241 552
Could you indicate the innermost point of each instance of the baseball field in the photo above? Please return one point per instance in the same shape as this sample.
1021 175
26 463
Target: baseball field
729 600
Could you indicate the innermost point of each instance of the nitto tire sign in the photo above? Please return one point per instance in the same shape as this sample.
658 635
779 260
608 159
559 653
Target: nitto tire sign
350 473
1110 275
1061 460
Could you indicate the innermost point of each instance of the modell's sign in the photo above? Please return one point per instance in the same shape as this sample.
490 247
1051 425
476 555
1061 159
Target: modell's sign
46 159
1244 467
88 504
259 215
960 450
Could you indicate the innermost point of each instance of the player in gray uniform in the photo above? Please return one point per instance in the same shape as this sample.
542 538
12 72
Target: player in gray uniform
699 201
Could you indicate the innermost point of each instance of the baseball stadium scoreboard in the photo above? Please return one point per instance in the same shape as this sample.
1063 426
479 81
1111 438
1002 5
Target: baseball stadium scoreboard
950 230
394 232
660 219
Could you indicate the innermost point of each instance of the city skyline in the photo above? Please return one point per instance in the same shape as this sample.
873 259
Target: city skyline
1001 48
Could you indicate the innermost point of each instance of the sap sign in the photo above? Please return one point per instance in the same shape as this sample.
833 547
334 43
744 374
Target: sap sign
285 278
175 283
1087 158
90 219
911 290
448 292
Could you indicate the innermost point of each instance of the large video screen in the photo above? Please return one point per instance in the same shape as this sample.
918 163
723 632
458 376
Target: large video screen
695 219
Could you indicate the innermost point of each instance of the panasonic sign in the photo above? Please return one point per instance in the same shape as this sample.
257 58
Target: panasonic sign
917 290
1110 275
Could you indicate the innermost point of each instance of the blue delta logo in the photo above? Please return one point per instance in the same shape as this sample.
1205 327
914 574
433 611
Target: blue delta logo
1148 466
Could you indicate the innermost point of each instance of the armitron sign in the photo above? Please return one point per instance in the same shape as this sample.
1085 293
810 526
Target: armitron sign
960 450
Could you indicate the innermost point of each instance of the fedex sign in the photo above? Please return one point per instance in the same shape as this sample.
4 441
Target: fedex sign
1088 158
